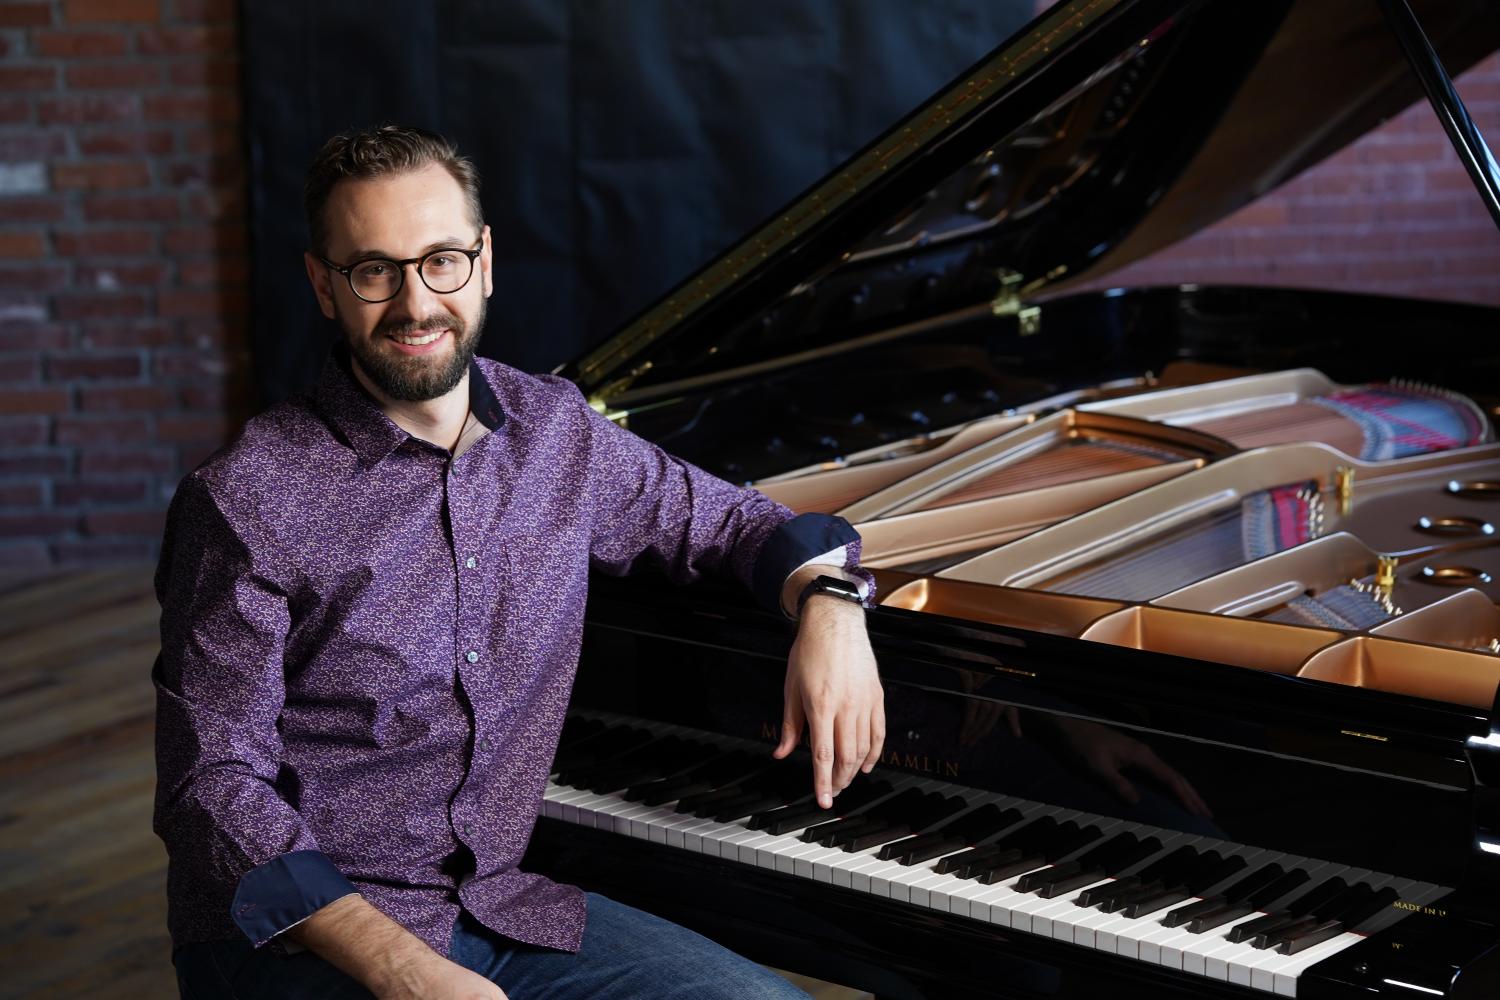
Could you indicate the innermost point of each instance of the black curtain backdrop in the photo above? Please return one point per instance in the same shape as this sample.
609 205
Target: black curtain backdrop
621 143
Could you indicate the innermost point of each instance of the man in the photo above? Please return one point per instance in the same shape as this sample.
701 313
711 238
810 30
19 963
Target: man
371 612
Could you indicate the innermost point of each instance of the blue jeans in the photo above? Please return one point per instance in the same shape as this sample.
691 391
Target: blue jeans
626 953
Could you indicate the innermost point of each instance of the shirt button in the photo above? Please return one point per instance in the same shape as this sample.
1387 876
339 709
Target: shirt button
484 745
470 562
468 829
471 656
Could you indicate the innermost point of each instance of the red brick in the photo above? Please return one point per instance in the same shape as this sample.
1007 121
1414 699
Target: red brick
224 140
1431 211
205 73
104 242
205 239
35 463
36 523
142 333
70 307
126 397
193 427
205 10
112 11
19 368
187 364
33 144
1465 238
71 493
22 243
99 429
125 522
79 44
23 494
107 461
193 40
62 369
110 277
80 109
1266 212
1395 269
101 552
21 335
202 172
193 106
23 432
26 555
209 303
32 208
15 110
131 142
28 77
219 333
1401 149
218 204
34 277
1316 213
105 76
1479 265
25 15
227 271
222 396
132 208
96 176
47 399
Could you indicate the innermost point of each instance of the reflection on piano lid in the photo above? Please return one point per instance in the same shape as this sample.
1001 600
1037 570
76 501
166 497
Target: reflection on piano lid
1186 605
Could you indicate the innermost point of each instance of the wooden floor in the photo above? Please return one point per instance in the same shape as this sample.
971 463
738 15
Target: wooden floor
81 874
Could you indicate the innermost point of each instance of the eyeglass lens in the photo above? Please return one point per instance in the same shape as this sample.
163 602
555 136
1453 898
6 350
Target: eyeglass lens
442 271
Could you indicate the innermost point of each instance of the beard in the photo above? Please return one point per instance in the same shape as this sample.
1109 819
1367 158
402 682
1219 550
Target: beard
416 378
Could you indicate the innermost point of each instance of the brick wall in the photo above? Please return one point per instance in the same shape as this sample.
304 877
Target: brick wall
123 336
122 267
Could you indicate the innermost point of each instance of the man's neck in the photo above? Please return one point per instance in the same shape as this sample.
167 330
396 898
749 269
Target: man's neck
439 421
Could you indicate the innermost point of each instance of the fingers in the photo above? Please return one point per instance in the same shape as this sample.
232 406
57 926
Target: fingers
1181 788
1123 786
820 733
846 741
792 721
877 736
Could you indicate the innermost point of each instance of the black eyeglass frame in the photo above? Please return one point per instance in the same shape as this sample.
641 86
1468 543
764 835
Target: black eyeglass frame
348 272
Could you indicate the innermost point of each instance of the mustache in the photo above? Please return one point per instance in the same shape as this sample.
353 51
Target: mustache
409 328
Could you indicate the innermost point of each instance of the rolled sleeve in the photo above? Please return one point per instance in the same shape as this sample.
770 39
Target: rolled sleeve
809 540
281 893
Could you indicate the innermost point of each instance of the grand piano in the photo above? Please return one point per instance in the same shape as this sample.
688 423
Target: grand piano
1187 617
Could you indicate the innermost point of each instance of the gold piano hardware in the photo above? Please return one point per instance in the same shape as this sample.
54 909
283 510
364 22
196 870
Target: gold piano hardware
1014 670
1426 911
1344 483
920 762
600 407
1364 736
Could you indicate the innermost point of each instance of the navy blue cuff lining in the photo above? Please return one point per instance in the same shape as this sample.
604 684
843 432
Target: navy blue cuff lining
284 892
792 544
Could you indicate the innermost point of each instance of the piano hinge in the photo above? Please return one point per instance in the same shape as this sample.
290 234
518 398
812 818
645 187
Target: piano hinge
1013 670
1364 736
600 407
1008 302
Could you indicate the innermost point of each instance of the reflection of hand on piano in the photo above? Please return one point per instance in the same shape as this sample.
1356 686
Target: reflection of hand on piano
833 688
1107 753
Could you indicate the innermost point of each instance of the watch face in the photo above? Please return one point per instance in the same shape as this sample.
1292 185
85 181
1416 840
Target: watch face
840 588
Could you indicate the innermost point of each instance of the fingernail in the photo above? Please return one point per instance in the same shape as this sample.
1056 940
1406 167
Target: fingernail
825 800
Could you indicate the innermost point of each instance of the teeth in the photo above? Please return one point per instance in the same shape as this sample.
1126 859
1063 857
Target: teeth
419 341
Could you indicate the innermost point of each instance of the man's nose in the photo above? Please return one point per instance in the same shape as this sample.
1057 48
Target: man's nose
415 299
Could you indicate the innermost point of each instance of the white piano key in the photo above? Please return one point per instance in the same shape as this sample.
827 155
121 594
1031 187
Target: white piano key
787 860
1054 917
711 837
1279 973
1195 954
863 878
884 883
843 869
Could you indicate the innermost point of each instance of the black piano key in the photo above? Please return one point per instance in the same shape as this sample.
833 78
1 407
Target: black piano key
1192 911
1271 938
836 835
1115 902
1377 904
1213 872
1260 925
1263 897
1255 881
1010 869
916 843
746 805
955 863
991 858
1171 868
1218 918
1333 909
1035 880
1029 836
1132 856
1101 855
1157 901
1315 935
1068 843
918 853
1305 904
663 790
1098 894
934 810
801 812
981 823
865 841
1062 886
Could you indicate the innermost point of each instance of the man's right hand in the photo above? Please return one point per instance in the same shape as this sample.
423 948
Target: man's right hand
391 961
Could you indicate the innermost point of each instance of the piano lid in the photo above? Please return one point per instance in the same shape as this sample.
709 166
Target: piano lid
1104 130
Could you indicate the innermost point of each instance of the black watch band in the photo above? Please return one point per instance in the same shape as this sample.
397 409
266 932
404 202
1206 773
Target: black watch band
833 586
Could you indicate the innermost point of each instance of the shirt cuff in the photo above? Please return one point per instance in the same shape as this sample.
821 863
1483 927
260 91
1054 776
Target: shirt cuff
278 895
810 540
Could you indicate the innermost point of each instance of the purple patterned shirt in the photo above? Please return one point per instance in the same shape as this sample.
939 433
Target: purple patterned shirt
368 646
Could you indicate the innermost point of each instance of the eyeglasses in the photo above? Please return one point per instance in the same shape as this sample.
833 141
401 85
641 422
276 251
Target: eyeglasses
376 279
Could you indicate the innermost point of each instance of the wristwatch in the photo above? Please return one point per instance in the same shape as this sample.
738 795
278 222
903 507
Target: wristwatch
833 586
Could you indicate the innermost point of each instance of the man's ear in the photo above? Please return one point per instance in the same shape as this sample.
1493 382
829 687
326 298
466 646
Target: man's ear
319 278
485 259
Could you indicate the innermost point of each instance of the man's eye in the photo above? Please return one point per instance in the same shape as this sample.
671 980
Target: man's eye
440 261
374 269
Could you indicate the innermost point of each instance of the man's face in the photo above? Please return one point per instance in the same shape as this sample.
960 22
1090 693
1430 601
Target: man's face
418 345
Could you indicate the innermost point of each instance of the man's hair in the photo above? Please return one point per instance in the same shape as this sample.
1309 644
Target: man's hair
390 149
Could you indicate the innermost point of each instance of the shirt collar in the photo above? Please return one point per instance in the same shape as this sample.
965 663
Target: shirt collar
357 414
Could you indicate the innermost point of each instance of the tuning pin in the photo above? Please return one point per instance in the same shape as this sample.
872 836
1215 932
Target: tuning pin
1385 575
1343 478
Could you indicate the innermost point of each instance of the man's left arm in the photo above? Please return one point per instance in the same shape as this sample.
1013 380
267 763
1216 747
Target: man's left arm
650 506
